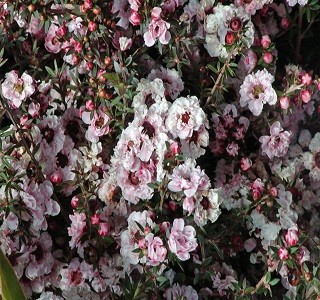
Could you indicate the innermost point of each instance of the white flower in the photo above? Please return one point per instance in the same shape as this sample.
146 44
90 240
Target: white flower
227 26
17 89
184 116
257 90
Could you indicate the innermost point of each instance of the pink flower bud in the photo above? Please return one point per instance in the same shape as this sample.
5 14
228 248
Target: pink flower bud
291 237
283 253
284 102
285 22
92 26
90 105
174 148
305 96
74 201
267 58
95 219
306 79
61 31
265 41
173 206
164 226
56 177
245 163
273 192
135 18
87 4
89 65
104 229
142 244
23 120
77 47
256 194
147 230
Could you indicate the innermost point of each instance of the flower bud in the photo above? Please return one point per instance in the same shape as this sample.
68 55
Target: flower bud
265 41
283 253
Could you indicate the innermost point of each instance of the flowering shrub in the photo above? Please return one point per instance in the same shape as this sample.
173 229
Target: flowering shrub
161 149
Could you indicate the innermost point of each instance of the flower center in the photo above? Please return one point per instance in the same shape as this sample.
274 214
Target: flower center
76 278
235 24
205 203
48 134
317 159
148 129
99 123
133 178
62 160
38 253
185 117
257 90
18 87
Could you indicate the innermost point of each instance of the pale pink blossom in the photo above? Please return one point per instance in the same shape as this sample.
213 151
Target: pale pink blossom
277 144
188 178
41 259
16 89
182 239
181 292
156 251
52 42
184 116
98 122
158 29
257 90
78 225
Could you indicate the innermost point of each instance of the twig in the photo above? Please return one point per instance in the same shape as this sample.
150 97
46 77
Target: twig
221 73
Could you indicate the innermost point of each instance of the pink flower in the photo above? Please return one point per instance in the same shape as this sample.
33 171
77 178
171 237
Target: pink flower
189 179
182 239
158 29
104 229
17 89
277 144
52 43
156 251
265 41
78 225
181 292
184 116
292 236
283 253
257 90
98 124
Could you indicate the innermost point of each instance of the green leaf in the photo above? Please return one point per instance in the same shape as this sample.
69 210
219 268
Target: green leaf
274 281
10 288
268 277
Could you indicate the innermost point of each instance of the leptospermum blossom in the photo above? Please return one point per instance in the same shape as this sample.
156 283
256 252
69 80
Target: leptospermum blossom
16 89
227 27
158 29
182 239
257 90
277 144
188 178
184 116
98 122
